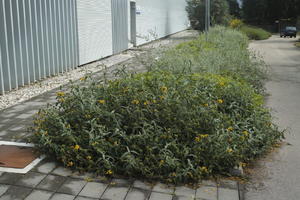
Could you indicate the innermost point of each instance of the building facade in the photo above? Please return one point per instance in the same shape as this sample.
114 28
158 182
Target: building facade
42 38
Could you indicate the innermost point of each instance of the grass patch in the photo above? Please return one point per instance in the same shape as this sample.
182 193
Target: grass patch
255 33
182 121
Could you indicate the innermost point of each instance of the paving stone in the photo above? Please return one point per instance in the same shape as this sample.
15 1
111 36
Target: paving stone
207 193
18 128
72 186
185 191
15 193
51 183
184 198
84 198
3 133
62 171
9 178
115 193
121 182
31 179
160 196
39 195
163 188
228 194
24 116
228 184
3 189
46 167
209 183
138 194
58 196
93 190
142 185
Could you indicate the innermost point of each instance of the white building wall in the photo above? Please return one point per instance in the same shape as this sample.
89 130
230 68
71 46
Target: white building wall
159 18
94 29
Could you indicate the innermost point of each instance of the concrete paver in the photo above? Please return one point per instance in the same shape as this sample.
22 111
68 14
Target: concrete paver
72 186
138 194
93 190
31 179
160 196
116 193
39 195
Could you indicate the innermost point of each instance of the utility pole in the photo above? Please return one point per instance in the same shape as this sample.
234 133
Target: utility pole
207 17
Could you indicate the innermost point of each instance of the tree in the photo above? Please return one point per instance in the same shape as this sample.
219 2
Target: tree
268 11
196 12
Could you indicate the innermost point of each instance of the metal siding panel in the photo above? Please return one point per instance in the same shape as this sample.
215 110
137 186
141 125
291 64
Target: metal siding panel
5 52
38 39
160 18
120 25
2 90
94 29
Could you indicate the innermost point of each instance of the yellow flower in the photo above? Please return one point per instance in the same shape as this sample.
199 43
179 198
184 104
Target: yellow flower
164 89
70 164
76 147
204 135
221 83
136 102
109 172
204 169
88 116
230 129
197 139
61 100
154 101
242 164
246 133
60 94
68 126
101 101
206 104
161 97
174 174
161 162
146 103
83 78
220 101
229 150
89 157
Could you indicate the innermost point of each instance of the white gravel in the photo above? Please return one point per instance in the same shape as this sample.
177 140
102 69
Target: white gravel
29 91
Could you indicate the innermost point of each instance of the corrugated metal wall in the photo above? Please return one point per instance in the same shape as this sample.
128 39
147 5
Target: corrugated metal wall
95 29
120 25
38 38
41 38
159 18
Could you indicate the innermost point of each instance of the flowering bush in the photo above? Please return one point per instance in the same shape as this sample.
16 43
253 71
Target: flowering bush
236 23
224 53
173 127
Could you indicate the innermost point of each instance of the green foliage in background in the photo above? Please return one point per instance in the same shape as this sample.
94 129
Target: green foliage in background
225 53
255 33
184 120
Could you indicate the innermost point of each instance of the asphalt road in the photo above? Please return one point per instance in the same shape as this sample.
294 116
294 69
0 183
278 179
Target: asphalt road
277 177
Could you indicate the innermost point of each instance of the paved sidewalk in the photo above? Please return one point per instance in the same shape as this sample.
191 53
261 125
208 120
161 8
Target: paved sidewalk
49 180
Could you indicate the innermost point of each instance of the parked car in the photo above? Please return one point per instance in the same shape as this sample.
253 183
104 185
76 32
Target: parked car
289 31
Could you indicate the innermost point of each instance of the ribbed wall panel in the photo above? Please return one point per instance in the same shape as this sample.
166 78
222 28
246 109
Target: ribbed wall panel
94 29
120 25
158 18
37 40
